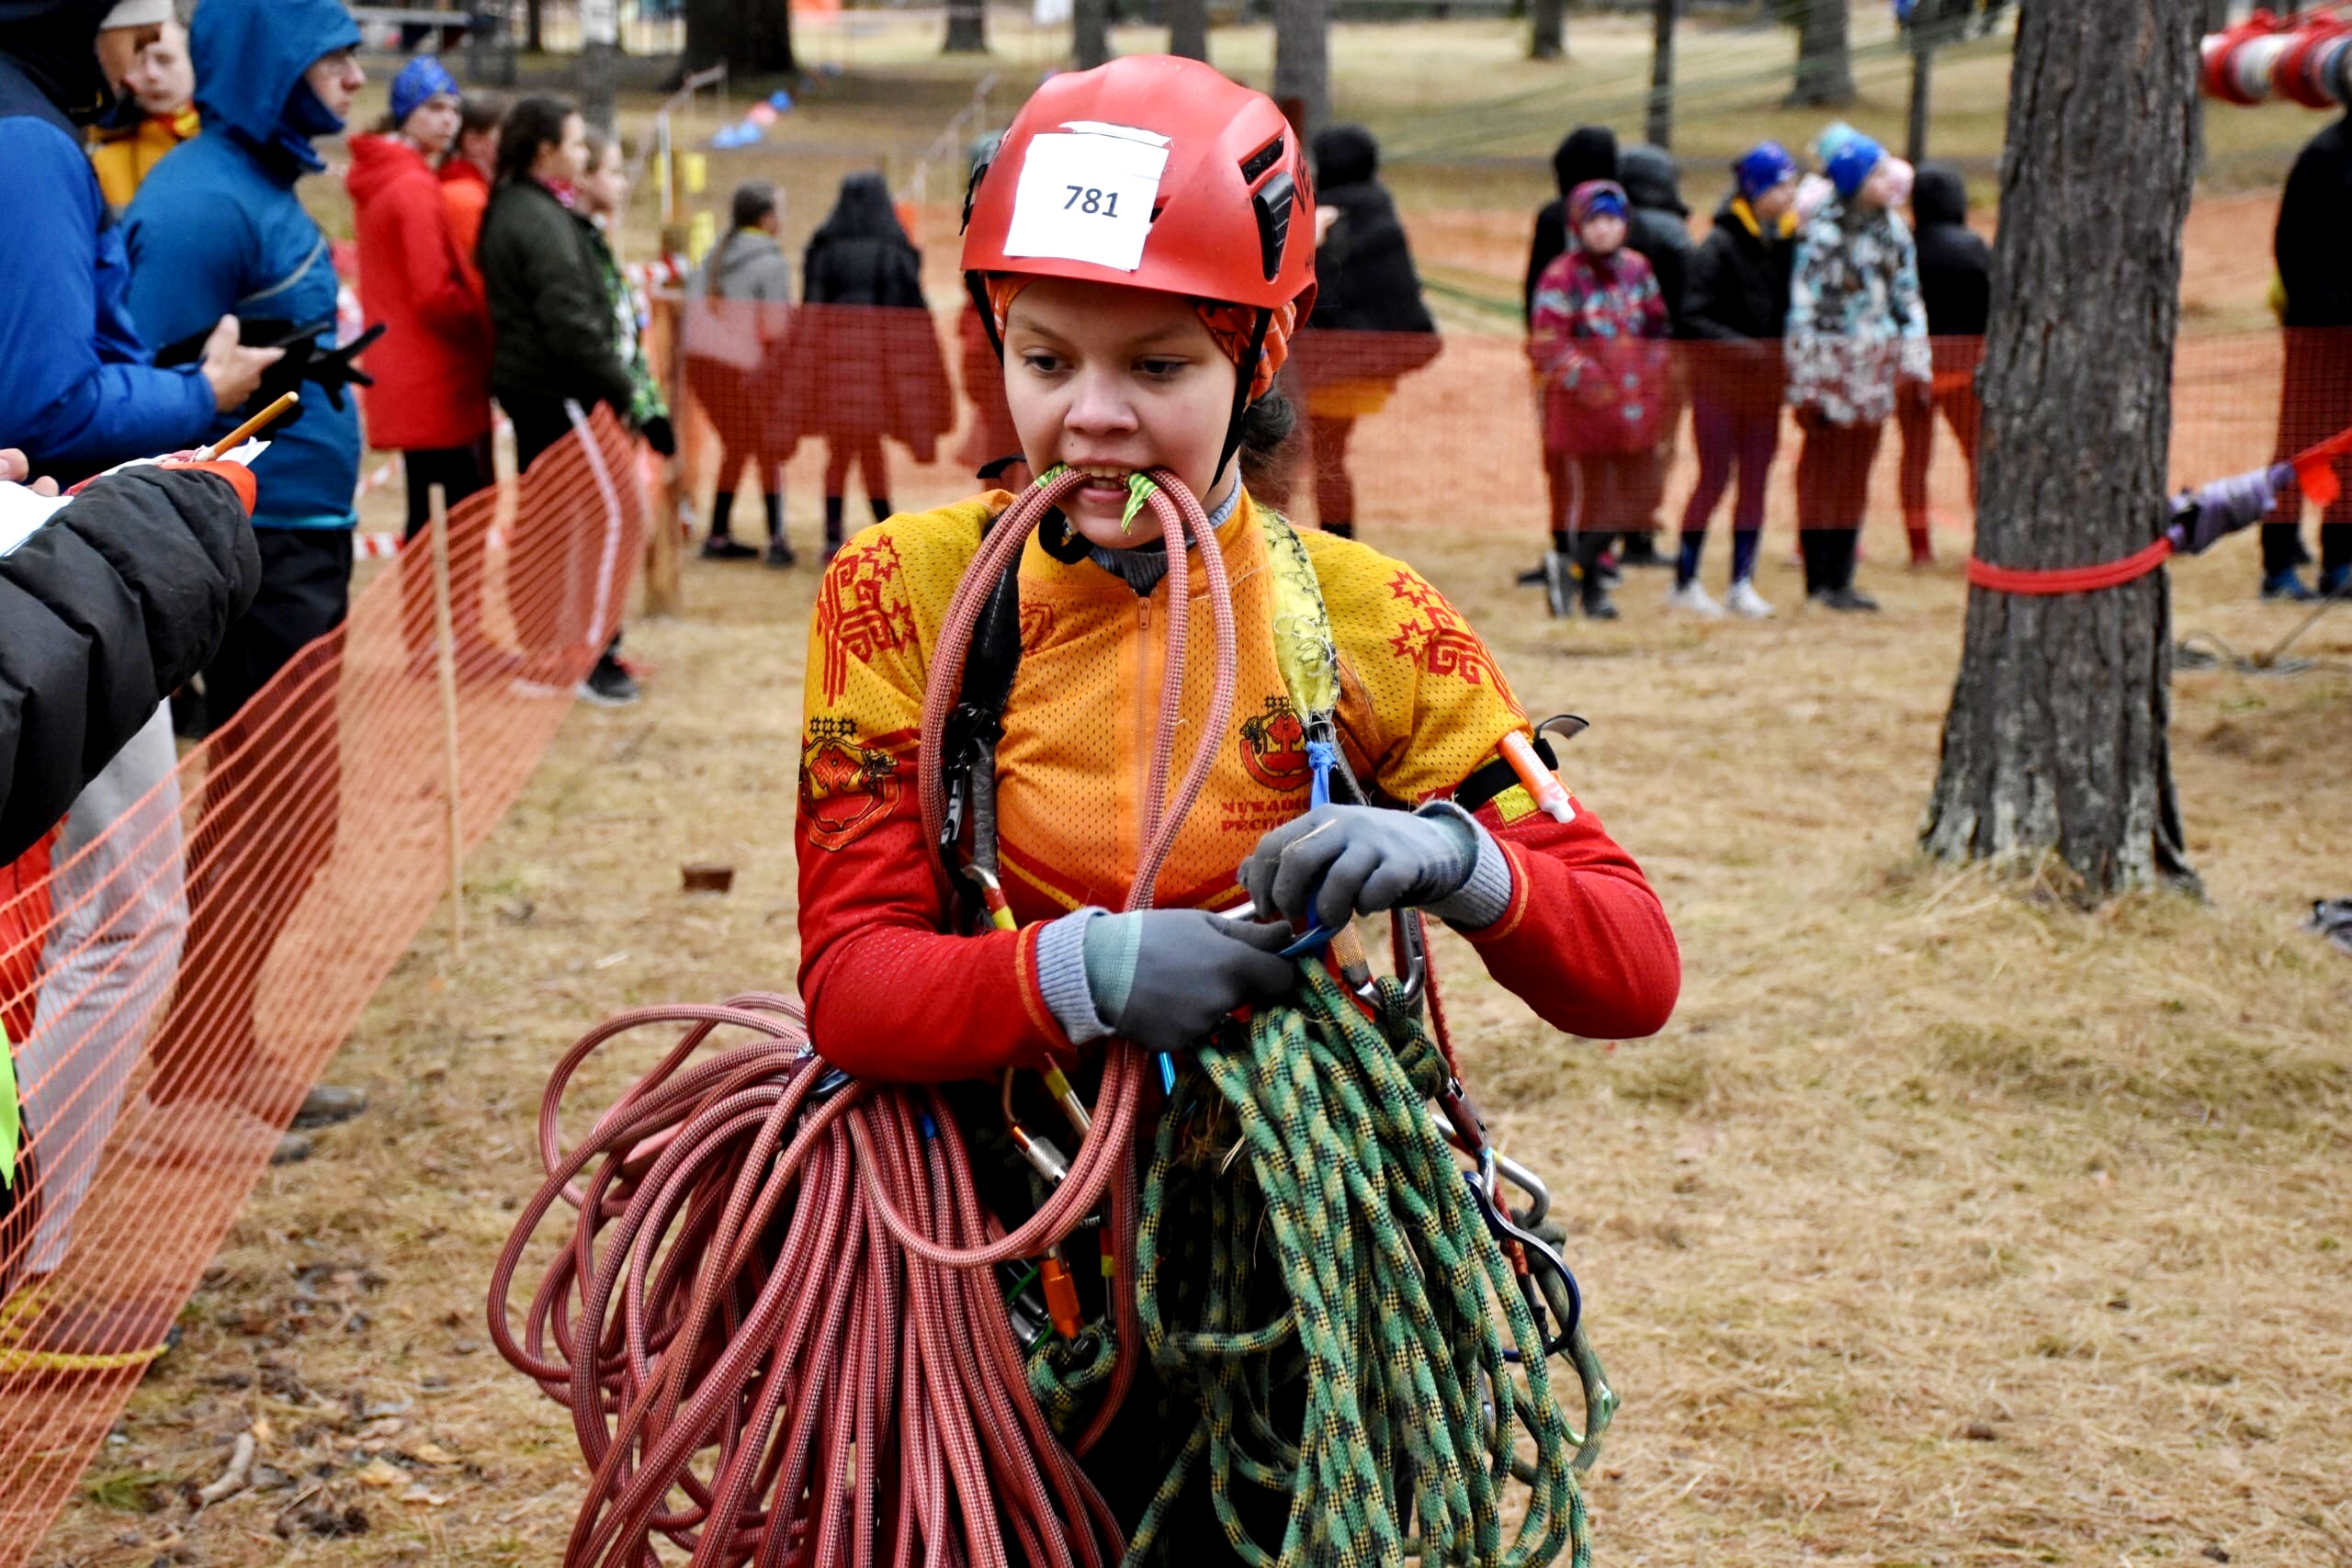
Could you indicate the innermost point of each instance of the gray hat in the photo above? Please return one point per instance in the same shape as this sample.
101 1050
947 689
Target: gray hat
137 13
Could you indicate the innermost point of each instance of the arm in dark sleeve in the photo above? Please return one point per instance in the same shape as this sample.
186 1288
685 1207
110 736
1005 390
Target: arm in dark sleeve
71 409
110 606
1551 239
575 318
2309 241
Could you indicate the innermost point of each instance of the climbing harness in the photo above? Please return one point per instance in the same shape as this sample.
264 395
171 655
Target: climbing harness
788 1328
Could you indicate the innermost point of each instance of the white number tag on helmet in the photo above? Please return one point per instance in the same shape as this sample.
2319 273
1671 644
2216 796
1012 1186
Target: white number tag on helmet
1085 194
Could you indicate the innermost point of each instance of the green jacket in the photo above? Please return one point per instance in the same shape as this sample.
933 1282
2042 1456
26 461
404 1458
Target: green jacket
547 306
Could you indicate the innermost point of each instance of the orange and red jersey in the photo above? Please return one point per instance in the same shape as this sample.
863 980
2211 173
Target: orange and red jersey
893 993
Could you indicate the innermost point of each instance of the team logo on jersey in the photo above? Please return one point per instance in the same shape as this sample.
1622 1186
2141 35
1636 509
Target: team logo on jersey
1274 746
862 611
846 786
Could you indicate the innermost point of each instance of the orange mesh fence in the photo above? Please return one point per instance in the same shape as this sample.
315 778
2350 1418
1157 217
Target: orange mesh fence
1395 430
203 957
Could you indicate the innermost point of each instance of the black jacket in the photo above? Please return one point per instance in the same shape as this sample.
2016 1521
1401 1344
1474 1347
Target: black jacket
1738 283
2314 234
1658 227
1363 269
553 321
1955 264
104 610
860 254
1588 152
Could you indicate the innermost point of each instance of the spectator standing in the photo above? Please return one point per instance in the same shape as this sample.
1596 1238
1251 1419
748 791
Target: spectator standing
160 86
2312 242
431 401
866 361
1956 284
1658 227
1596 348
1370 325
466 172
1734 305
739 314
1588 153
552 326
216 226
603 196
1857 339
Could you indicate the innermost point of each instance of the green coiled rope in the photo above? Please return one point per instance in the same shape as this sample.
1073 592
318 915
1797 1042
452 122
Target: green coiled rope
1413 1417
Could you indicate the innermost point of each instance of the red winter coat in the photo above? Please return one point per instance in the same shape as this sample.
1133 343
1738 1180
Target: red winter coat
432 367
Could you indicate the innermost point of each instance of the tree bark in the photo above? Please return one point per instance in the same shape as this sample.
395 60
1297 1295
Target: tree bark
1303 62
531 35
752 37
1658 129
1825 57
2056 738
1188 29
1549 39
968 28
1089 29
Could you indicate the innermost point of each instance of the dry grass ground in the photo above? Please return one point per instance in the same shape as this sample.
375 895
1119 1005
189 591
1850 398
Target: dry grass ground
1945 1224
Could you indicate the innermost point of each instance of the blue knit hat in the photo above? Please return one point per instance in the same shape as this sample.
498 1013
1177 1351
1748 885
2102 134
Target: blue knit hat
1850 163
421 78
1595 198
1762 167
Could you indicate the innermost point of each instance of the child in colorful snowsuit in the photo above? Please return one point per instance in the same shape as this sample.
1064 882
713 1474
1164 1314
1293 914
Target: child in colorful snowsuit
1594 341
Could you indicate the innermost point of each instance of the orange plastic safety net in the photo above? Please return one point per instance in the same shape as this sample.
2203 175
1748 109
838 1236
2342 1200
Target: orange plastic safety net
182 979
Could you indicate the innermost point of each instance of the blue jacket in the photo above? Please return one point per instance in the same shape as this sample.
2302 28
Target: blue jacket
216 228
77 391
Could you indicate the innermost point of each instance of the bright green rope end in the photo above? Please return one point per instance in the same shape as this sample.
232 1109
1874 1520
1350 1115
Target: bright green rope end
11 1128
1140 491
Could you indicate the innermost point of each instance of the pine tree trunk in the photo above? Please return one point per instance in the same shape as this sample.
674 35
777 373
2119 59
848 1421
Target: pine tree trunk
1824 59
1188 29
2056 738
752 37
1658 125
1090 30
531 38
968 28
1549 40
1303 62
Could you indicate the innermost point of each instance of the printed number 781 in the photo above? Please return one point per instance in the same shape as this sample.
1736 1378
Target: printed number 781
1091 199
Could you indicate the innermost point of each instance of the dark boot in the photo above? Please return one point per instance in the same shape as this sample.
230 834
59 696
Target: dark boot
1922 547
779 548
720 544
1341 530
833 525
881 505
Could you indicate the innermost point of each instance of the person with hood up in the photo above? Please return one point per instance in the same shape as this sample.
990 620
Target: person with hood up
739 314
867 359
2311 244
1956 283
1856 340
1733 309
160 85
1369 326
79 390
431 401
554 337
1595 347
217 227
1659 228
1588 153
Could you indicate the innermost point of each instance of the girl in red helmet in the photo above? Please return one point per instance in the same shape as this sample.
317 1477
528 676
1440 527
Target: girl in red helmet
1142 245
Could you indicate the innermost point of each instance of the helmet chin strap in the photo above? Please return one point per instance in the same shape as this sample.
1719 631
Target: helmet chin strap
1246 373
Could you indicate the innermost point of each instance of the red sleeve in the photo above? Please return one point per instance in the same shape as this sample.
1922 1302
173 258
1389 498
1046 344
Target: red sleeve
436 285
890 994
1585 941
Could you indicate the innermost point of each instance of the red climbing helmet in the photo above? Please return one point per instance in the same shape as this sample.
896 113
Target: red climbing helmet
1152 172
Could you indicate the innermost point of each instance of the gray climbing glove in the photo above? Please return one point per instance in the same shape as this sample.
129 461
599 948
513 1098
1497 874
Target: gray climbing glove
1163 978
1338 862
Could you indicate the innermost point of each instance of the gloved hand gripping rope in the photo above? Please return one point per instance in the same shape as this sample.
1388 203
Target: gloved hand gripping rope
788 1275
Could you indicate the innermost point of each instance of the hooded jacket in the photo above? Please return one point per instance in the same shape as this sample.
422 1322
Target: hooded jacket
1368 293
1658 227
1588 152
1855 325
1955 264
2315 234
432 365
866 360
551 319
217 229
78 390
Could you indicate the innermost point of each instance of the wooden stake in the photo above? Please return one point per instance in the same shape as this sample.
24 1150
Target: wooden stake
445 650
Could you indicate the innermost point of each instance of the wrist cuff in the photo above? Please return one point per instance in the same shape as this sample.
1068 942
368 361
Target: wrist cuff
1484 895
1061 977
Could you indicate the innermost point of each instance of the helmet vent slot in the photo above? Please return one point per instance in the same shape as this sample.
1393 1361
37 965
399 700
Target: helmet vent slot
1273 206
1257 162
